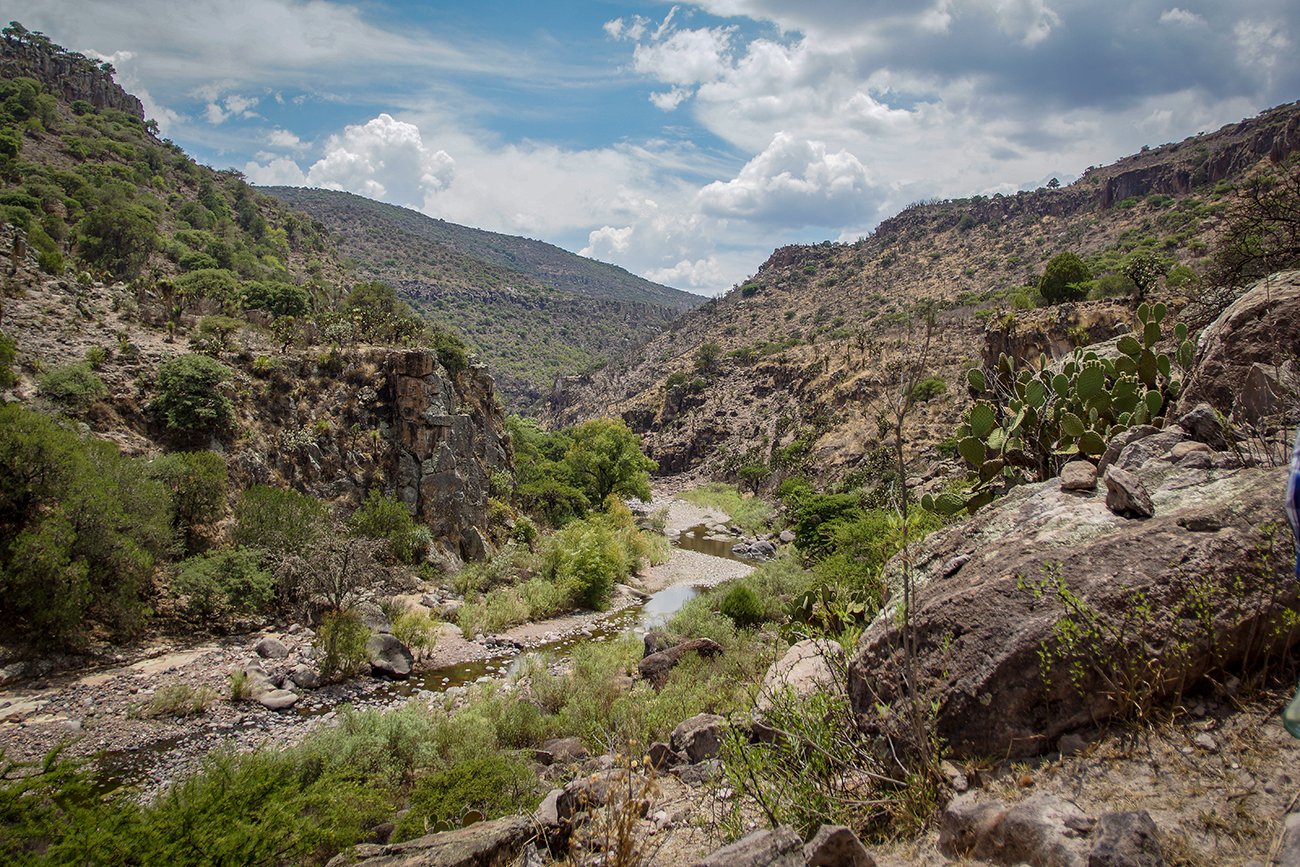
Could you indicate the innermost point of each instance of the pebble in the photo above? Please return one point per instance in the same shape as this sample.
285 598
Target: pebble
1206 743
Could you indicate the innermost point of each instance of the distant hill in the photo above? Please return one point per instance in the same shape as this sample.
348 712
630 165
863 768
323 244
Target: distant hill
532 310
786 372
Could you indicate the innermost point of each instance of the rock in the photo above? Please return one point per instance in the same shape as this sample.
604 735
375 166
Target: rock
656 667
1205 742
786 537
1188 447
389 657
1071 744
836 846
277 699
256 681
1126 839
654 641
809 666
762 550
1078 476
1247 333
1288 854
547 814
1042 829
495 843
779 848
1121 442
706 772
662 755
433 603
699 737
450 609
271 648
956 779
592 792
1158 445
1126 495
979 630
1205 425
967 822
374 617
564 751
305 676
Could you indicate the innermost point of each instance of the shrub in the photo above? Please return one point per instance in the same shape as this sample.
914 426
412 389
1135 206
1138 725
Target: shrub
742 606
118 236
224 582
197 483
8 352
416 629
929 388
494 784
276 298
605 458
178 700
189 400
96 356
388 519
214 334
277 520
452 352
1063 278
73 387
341 638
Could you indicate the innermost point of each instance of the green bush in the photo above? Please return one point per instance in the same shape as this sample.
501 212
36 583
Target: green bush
118 236
341 638
1064 278
81 528
189 400
8 352
276 298
494 784
72 387
929 388
742 606
277 520
452 352
197 483
224 582
214 334
605 458
386 518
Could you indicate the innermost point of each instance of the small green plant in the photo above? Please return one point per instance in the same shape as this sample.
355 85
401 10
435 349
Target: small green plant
178 700
386 518
417 630
1064 279
341 638
96 356
73 387
742 606
929 388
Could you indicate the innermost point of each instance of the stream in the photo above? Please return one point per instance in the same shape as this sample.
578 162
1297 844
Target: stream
151 765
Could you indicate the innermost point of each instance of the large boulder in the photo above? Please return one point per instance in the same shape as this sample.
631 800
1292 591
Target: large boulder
389 657
981 627
656 667
780 847
809 666
699 737
488 844
1246 346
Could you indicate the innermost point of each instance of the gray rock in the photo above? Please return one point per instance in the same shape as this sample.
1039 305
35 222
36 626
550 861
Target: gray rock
1288 854
1122 441
1158 445
271 648
699 737
1126 839
433 603
1071 744
305 676
1205 425
277 699
1042 829
374 617
389 657
564 751
763 550
1126 495
662 755
836 846
706 772
496 843
547 815
779 848
451 608
1079 476
809 666
786 537
1187 447
656 667
591 792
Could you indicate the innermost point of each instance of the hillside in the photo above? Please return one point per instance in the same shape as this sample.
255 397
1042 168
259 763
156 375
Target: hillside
532 310
791 370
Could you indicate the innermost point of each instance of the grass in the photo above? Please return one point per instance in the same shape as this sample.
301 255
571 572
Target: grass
751 514
178 700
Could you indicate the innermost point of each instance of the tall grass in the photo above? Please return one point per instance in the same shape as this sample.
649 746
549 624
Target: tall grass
751 514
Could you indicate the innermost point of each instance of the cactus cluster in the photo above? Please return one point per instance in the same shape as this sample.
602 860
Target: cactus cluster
1024 424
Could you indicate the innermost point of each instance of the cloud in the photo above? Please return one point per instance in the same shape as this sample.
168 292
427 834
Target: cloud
384 158
1176 15
277 171
219 110
795 182
686 56
669 99
607 242
283 138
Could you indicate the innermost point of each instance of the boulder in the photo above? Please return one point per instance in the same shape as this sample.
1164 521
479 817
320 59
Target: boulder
979 628
1190 447
389 656
1079 476
1126 495
271 648
1122 441
1248 333
305 676
786 537
656 667
277 699
809 666
1205 425
777 848
654 641
561 751
486 844
374 617
1157 445
1042 829
836 846
547 814
1127 839
699 737
592 792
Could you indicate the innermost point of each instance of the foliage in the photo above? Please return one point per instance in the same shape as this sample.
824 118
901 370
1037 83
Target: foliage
225 582
277 520
377 315
544 481
335 572
741 605
1029 422
189 400
418 630
8 352
214 334
606 458
341 638
118 235
1063 279
494 784
388 519
81 528
929 388
275 297
1145 270
197 483
451 350
1261 234
73 387
178 700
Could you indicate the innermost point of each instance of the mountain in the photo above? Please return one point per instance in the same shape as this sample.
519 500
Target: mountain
791 370
532 310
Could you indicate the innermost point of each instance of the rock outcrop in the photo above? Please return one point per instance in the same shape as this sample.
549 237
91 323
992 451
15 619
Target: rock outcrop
488 844
991 591
1245 359
70 75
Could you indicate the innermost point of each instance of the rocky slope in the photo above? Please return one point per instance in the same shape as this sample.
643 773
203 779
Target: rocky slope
807 350
532 310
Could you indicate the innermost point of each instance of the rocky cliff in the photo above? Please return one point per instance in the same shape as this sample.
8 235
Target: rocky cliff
68 74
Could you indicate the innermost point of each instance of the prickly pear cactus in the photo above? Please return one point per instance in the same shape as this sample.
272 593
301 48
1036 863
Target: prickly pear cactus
1024 424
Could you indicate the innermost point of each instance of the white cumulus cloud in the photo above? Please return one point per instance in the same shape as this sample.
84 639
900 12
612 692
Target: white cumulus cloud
384 158
686 57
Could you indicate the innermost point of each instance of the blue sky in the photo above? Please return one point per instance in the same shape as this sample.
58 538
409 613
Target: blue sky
683 141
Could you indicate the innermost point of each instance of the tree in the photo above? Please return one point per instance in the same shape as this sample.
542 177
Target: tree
1063 279
197 483
119 237
277 520
1146 271
606 459
189 400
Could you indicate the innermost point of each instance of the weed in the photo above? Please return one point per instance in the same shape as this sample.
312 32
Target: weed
178 700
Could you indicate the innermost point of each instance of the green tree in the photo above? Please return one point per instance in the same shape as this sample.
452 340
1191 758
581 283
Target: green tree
1146 271
385 518
277 520
189 400
8 353
197 484
73 387
118 236
606 459
1064 278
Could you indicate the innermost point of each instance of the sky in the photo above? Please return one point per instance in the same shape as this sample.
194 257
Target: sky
681 141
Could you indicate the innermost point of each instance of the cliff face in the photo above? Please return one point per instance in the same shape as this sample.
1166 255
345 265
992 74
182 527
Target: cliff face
67 74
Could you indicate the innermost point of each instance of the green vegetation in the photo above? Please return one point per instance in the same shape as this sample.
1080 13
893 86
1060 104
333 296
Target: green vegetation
383 517
189 402
224 583
749 513
1064 279
197 483
72 387
276 519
